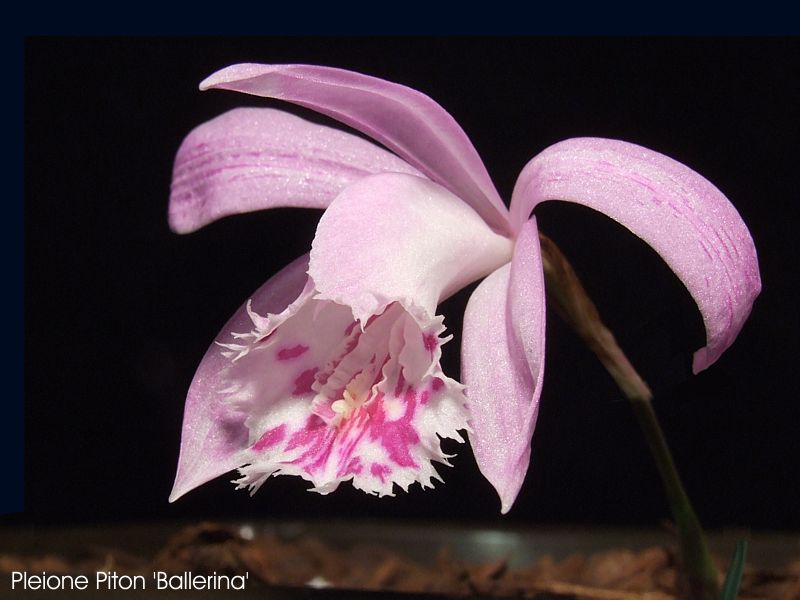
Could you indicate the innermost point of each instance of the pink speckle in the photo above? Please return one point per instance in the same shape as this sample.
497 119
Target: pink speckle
424 397
325 375
436 384
430 342
270 438
401 382
317 438
310 433
352 343
604 165
398 436
293 352
380 471
303 383
354 467
333 364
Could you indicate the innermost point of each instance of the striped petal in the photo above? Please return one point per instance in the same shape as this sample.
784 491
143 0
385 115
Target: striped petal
258 158
502 364
406 121
687 220
213 433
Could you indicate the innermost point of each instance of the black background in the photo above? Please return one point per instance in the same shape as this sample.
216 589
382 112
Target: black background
119 310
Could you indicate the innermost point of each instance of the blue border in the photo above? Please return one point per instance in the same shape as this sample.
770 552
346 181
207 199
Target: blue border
12 428
416 18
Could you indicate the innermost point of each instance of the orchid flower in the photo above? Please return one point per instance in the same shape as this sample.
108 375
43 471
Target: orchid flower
330 371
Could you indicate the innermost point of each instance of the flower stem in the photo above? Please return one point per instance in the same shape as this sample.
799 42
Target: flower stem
572 302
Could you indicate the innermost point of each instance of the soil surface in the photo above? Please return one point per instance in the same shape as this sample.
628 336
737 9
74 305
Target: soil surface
208 548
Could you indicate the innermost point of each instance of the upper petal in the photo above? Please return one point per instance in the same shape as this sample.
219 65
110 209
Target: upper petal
402 238
257 158
502 364
404 120
687 220
214 436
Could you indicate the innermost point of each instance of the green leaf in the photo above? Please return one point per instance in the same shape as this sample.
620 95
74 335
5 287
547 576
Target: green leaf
730 589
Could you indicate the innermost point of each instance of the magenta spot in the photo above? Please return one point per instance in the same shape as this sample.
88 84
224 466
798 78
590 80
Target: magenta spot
323 377
352 343
293 352
378 377
430 342
310 433
303 383
317 438
334 363
436 384
354 467
424 397
396 437
349 329
401 382
270 438
380 471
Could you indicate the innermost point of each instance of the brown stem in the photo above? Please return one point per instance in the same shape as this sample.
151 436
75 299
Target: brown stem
569 298
573 304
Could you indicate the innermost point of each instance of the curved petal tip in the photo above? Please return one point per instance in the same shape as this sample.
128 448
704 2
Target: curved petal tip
679 213
233 73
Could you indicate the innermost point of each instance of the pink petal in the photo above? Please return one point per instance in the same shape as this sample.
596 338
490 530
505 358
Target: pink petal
307 392
402 238
213 436
502 364
404 120
687 220
257 158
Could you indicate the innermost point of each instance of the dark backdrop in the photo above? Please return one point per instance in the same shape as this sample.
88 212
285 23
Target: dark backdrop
119 310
